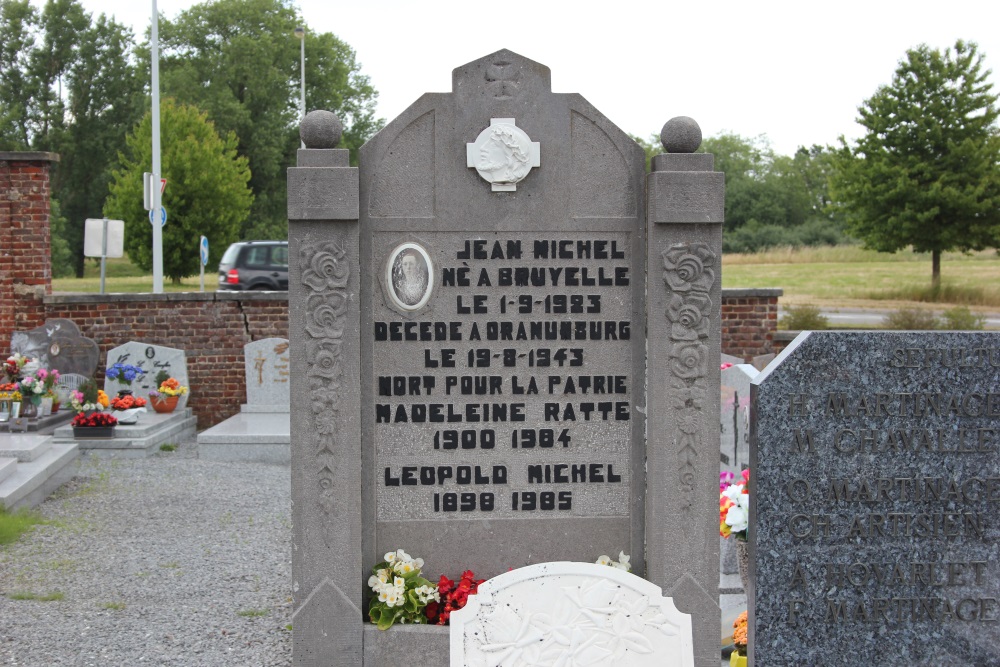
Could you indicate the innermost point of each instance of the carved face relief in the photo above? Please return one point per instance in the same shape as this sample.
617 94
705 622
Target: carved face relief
503 154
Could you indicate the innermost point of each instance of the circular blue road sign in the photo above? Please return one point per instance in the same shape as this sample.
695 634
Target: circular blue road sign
163 216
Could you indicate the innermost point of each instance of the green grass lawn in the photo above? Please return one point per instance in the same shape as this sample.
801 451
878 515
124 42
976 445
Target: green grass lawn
851 277
122 276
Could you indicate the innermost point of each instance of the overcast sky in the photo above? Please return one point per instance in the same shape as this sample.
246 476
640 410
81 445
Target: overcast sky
795 71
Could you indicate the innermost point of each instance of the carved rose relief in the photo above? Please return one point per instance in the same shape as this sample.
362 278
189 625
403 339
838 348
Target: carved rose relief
326 274
326 267
689 274
689 267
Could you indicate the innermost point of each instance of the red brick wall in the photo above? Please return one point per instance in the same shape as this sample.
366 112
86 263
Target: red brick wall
210 327
25 263
749 320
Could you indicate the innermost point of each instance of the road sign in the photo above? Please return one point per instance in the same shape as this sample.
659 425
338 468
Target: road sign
204 251
163 217
163 185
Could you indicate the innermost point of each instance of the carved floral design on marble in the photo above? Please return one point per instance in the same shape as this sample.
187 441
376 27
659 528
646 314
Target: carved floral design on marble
326 275
595 624
689 273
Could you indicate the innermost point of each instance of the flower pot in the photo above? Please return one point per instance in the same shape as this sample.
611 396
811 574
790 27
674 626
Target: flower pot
743 558
93 432
737 660
124 392
165 404
29 407
45 408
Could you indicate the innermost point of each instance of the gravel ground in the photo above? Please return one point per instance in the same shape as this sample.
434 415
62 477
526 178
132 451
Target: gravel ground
168 560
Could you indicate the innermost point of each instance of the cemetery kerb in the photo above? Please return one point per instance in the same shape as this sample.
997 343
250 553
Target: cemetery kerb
874 492
467 312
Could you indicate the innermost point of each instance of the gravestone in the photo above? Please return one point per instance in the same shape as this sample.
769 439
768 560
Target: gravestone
267 373
467 314
59 345
569 614
873 500
152 359
734 440
734 421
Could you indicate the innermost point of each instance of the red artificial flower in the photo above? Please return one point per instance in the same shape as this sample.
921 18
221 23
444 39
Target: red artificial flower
454 596
95 419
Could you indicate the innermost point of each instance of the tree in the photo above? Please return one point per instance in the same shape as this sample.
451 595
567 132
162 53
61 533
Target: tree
208 194
239 61
925 173
67 85
105 99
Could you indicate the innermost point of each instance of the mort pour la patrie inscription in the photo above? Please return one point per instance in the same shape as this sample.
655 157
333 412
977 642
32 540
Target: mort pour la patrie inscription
877 482
497 405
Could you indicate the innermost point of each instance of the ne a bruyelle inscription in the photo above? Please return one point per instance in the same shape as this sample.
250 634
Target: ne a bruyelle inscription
502 404
876 488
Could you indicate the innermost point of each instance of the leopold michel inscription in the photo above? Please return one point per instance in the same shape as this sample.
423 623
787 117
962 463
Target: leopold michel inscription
510 392
877 465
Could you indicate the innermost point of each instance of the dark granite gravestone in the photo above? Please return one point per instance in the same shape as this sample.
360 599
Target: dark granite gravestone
876 479
59 345
468 324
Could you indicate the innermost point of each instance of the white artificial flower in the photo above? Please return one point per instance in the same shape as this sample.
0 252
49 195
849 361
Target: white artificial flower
402 555
621 566
382 596
733 492
737 518
623 559
399 581
390 557
373 581
418 562
391 599
604 560
405 568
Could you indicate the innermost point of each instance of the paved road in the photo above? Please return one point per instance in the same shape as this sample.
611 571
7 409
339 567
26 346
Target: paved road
873 317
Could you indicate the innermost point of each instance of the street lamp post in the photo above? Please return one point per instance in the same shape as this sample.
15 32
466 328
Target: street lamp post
300 32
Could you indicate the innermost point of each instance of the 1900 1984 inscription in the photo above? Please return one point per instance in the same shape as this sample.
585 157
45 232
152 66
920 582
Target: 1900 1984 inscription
513 393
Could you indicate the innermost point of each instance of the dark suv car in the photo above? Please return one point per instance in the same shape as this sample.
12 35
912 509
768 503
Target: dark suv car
255 265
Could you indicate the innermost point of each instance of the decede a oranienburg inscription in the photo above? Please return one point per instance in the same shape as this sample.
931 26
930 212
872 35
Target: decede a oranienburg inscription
876 483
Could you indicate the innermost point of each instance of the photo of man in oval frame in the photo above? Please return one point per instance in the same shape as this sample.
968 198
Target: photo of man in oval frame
409 275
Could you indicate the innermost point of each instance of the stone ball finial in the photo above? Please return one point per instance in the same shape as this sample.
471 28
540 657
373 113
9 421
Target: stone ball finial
321 129
681 134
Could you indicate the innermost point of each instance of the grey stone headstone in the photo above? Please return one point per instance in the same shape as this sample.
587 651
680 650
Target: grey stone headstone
267 375
760 362
876 476
734 440
59 345
538 374
734 417
467 317
152 359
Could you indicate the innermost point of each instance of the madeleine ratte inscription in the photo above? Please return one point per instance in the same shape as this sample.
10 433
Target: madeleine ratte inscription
503 408
877 479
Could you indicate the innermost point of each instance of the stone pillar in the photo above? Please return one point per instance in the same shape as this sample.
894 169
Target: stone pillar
684 211
323 328
25 259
